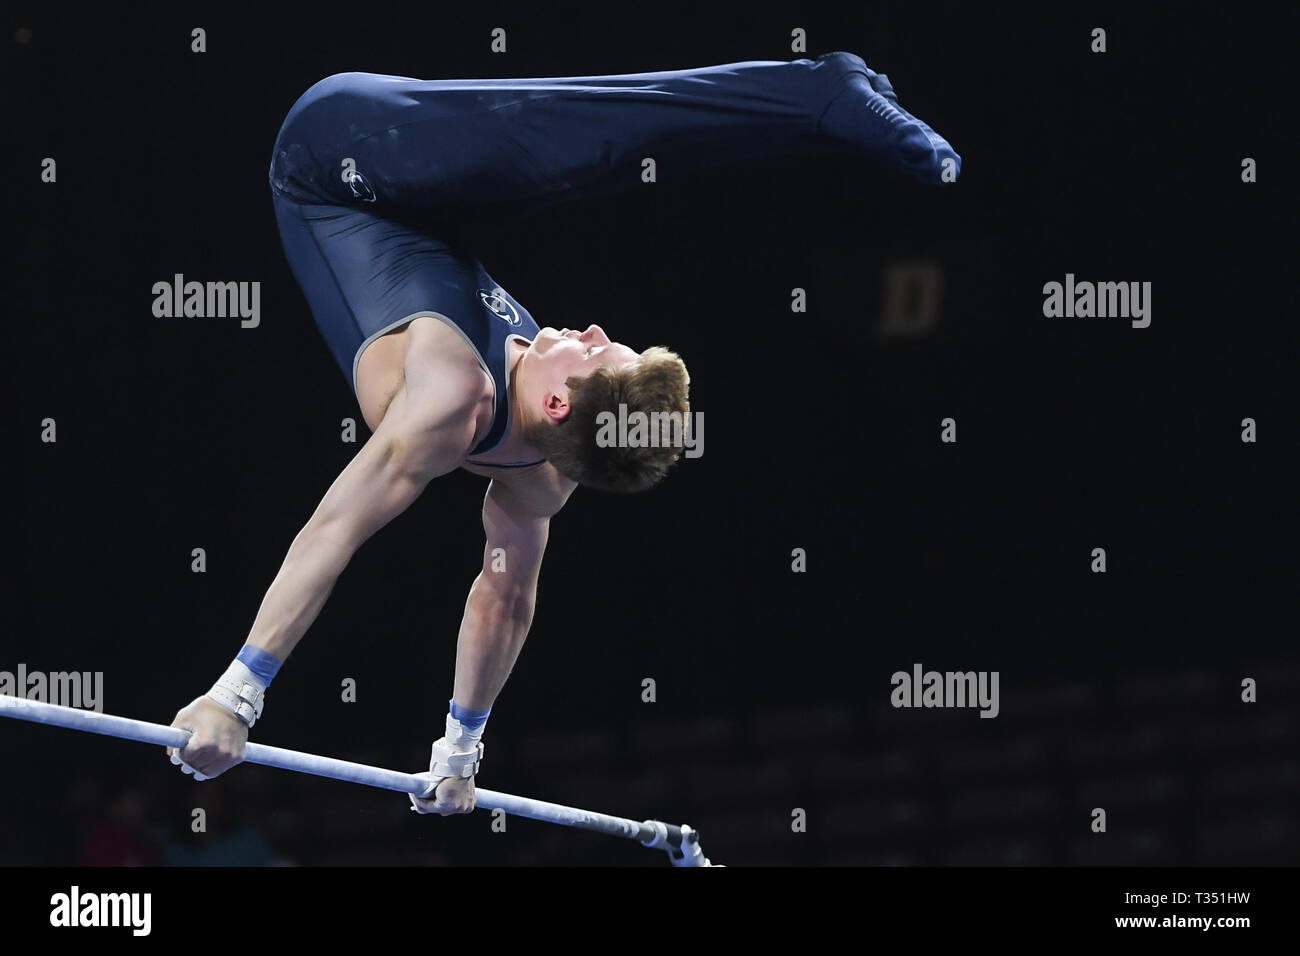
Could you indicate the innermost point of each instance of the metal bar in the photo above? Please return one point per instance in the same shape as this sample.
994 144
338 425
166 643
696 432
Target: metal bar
648 832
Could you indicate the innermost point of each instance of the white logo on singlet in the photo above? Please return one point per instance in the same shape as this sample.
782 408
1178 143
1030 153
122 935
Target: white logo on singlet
496 303
359 185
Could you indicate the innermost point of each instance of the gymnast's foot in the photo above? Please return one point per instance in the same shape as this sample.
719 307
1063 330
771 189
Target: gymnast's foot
866 114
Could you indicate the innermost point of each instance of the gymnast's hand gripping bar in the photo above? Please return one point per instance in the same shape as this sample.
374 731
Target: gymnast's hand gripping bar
682 844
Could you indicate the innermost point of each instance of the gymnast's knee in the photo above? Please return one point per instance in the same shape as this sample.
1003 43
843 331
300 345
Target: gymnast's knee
330 86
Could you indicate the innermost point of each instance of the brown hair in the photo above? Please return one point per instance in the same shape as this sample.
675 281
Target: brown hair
656 382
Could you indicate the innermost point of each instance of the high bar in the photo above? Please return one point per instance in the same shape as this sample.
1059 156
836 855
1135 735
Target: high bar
681 843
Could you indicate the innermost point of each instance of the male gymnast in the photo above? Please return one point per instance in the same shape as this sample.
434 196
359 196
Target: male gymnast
371 178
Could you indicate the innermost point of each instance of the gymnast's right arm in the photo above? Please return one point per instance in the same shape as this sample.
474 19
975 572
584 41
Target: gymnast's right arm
421 436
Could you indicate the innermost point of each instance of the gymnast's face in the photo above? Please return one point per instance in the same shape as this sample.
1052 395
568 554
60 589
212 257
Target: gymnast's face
567 353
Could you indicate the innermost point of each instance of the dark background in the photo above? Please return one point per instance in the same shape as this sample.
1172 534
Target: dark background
1119 690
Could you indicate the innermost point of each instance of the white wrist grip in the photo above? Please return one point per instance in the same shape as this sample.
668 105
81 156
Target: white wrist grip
448 760
241 692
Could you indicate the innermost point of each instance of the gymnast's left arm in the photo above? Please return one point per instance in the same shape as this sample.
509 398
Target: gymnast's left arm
498 614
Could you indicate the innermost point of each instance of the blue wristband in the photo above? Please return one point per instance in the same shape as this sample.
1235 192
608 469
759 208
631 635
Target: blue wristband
262 663
471 720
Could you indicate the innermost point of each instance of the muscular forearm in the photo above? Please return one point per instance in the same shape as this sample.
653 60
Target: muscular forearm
492 633
299 591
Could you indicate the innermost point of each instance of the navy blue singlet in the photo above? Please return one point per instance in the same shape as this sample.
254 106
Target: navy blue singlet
371 175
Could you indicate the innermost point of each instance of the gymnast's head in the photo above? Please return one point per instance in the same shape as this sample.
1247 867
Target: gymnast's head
566 379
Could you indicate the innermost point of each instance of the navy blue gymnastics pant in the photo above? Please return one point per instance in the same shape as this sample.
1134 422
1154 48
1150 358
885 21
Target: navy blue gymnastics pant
372 174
